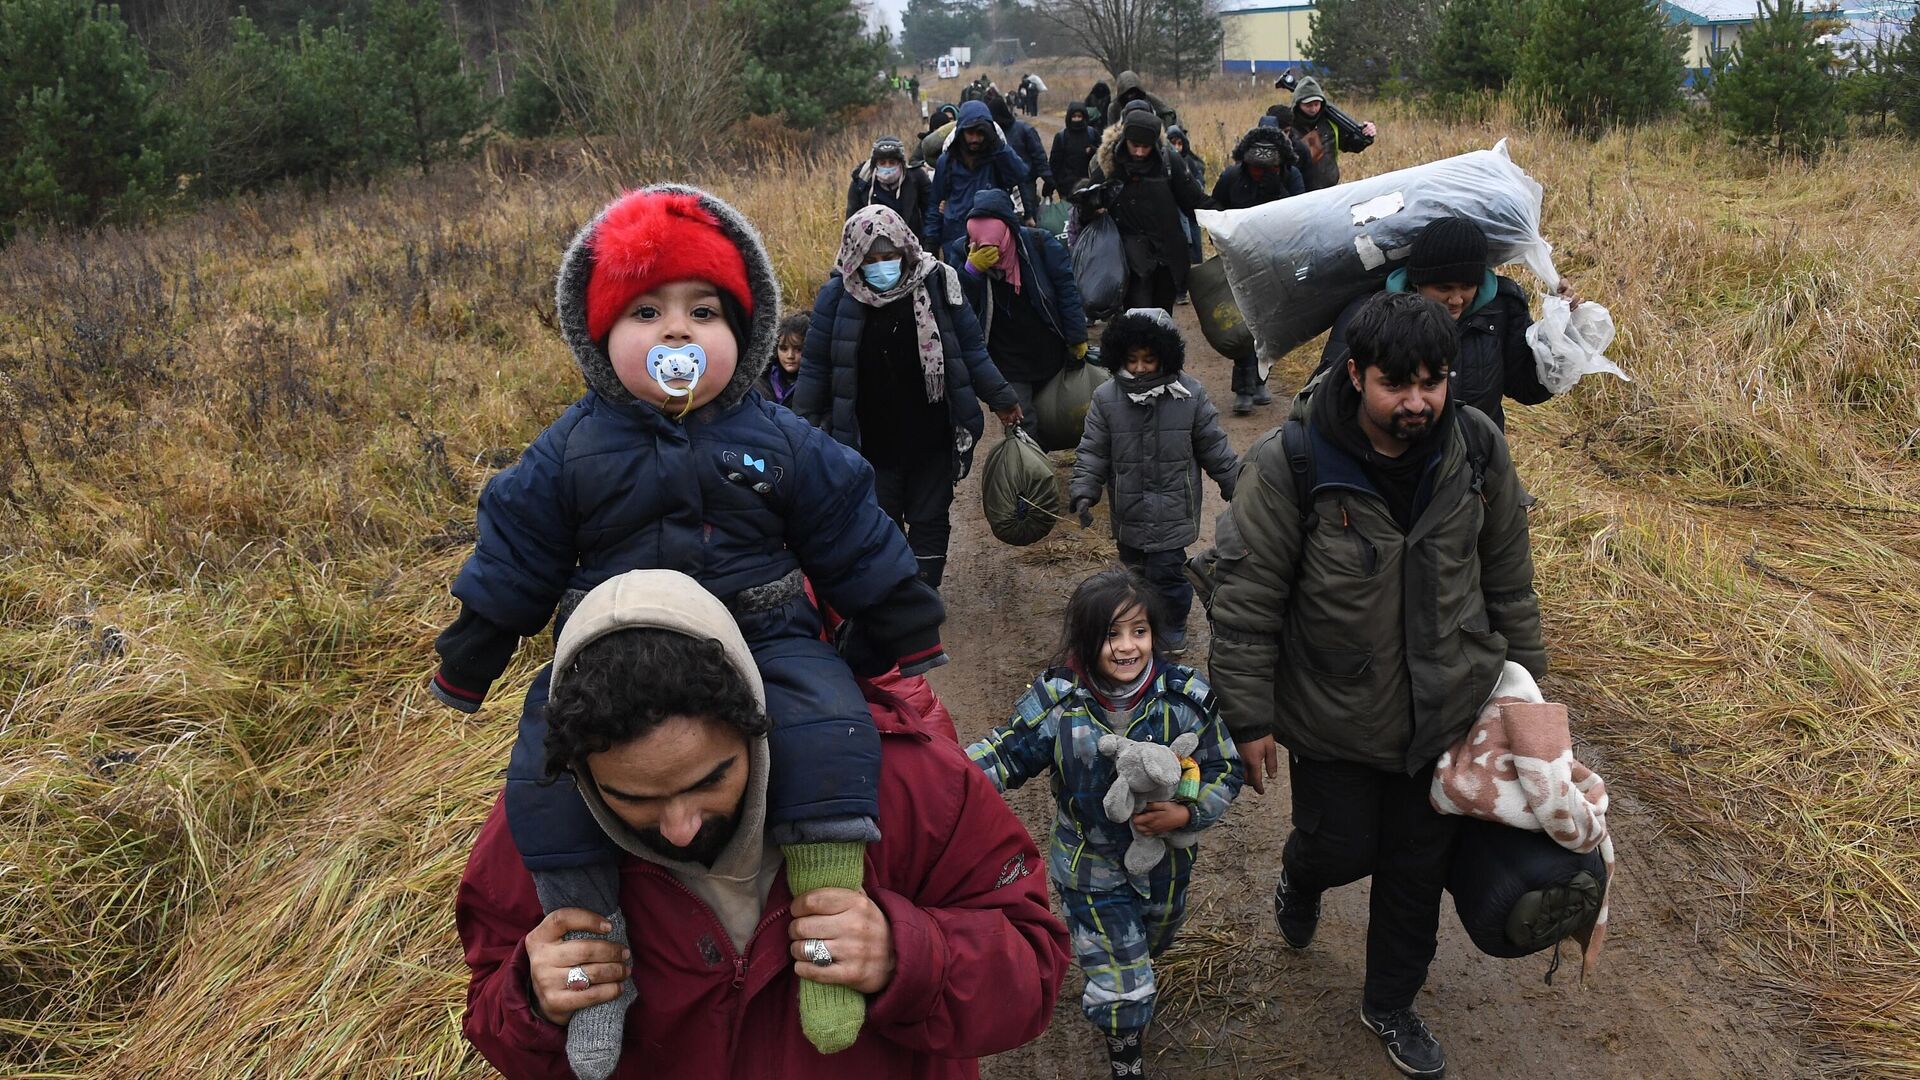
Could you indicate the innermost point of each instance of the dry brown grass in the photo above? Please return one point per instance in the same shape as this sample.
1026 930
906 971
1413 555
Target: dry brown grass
238 455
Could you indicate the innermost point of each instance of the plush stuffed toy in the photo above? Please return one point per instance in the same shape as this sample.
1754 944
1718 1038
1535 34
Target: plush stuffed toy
1148 772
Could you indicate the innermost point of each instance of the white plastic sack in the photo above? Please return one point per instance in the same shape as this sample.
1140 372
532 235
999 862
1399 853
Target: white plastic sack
1569 342
1295 264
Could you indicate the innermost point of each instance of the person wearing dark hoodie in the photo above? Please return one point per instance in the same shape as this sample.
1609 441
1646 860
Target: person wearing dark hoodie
659 717
885 180
1137 178
1264 169
1150 433
672 461
977 157
1072 155
1026 142
1320 136
1370 581
1183 149
1019 282
1128 88
1100 107
1448 264
895 366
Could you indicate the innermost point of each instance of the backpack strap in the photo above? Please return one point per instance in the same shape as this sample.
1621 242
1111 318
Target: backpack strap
1293 439
1478 432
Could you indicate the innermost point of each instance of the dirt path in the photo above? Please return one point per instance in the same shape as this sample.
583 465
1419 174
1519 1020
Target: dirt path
1235 1002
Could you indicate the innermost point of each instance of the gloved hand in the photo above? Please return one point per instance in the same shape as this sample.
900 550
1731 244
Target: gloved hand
983 258
1083 506
1078 350
867 658
1046 189
454 696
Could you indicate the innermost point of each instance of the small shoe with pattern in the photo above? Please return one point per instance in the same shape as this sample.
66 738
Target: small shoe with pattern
1410 1046
1296 911
1125 1055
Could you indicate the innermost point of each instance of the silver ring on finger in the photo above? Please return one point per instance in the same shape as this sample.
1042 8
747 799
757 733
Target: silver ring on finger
817 952
577 978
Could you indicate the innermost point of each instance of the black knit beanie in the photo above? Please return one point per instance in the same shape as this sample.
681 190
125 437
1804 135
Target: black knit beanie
1449 249
1141 126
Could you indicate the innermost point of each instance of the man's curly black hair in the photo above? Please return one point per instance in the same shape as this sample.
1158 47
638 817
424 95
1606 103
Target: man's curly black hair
623 686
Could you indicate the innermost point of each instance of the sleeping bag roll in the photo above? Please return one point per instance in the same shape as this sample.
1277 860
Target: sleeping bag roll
1518 892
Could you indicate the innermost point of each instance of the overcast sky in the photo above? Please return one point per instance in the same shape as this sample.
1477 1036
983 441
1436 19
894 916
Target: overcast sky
891 10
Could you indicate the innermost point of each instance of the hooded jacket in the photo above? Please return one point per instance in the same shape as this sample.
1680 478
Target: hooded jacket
1047 279
1072 153
1148 204
1350 638
615 484
1236 189
1128 87
1026 142
1150 453
979 959
956 180
830 363
1495 360
910 201
1319 139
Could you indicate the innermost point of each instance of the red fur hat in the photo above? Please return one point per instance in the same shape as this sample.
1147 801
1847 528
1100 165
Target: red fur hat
646 239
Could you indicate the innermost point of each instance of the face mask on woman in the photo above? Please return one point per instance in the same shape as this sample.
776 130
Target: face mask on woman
887 174
882 275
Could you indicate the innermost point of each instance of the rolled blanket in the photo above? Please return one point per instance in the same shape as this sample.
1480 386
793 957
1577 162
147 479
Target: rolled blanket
1515 767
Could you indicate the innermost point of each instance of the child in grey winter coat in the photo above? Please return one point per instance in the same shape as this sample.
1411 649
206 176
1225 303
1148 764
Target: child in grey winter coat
1150 431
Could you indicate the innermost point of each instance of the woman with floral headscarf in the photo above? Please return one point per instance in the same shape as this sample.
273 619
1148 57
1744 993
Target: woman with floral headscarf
895 366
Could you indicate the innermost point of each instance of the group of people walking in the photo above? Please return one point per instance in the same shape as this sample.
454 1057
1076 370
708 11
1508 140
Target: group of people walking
725 844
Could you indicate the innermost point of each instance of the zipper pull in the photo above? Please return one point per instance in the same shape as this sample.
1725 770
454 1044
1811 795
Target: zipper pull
739 972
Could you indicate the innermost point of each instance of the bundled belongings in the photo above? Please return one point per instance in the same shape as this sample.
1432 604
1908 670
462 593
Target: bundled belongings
1100 268
1515 769
1294 264
1060 406
1220 319
1018 490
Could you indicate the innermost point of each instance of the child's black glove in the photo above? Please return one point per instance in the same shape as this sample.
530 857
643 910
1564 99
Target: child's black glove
1083 506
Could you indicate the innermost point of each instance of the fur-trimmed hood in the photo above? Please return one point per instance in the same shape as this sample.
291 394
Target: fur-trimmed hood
1271 136
756 352
1148 327
1111 137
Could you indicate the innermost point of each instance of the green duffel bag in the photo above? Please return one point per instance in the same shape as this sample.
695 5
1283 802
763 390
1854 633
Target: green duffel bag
1060 406
1219 316
1019 491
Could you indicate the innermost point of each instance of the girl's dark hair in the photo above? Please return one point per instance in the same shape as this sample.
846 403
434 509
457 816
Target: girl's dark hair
1400 333
623 686
793 326
1091 610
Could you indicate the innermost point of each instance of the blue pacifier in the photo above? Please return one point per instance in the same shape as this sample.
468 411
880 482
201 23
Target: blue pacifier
686 363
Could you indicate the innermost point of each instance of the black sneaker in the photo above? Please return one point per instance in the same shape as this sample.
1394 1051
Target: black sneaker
1410 1046
1297 913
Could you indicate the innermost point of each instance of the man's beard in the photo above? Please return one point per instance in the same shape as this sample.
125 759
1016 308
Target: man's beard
716 831
1409 428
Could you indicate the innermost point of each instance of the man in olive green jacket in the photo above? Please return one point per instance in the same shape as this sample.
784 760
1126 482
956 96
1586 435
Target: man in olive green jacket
1365 628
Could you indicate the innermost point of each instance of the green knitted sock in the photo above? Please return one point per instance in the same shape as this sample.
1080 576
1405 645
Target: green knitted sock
831 1016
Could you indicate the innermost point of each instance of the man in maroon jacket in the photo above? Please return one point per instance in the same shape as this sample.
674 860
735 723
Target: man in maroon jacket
659 711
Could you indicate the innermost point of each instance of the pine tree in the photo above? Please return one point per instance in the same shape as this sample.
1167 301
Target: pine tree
1186 38
1476 46
1594 63
928 28
1367 43
80 131
1772 89
808 84
413 55
1903 78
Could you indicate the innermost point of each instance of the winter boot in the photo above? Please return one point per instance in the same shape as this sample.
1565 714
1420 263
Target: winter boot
1124 1054
1242 404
